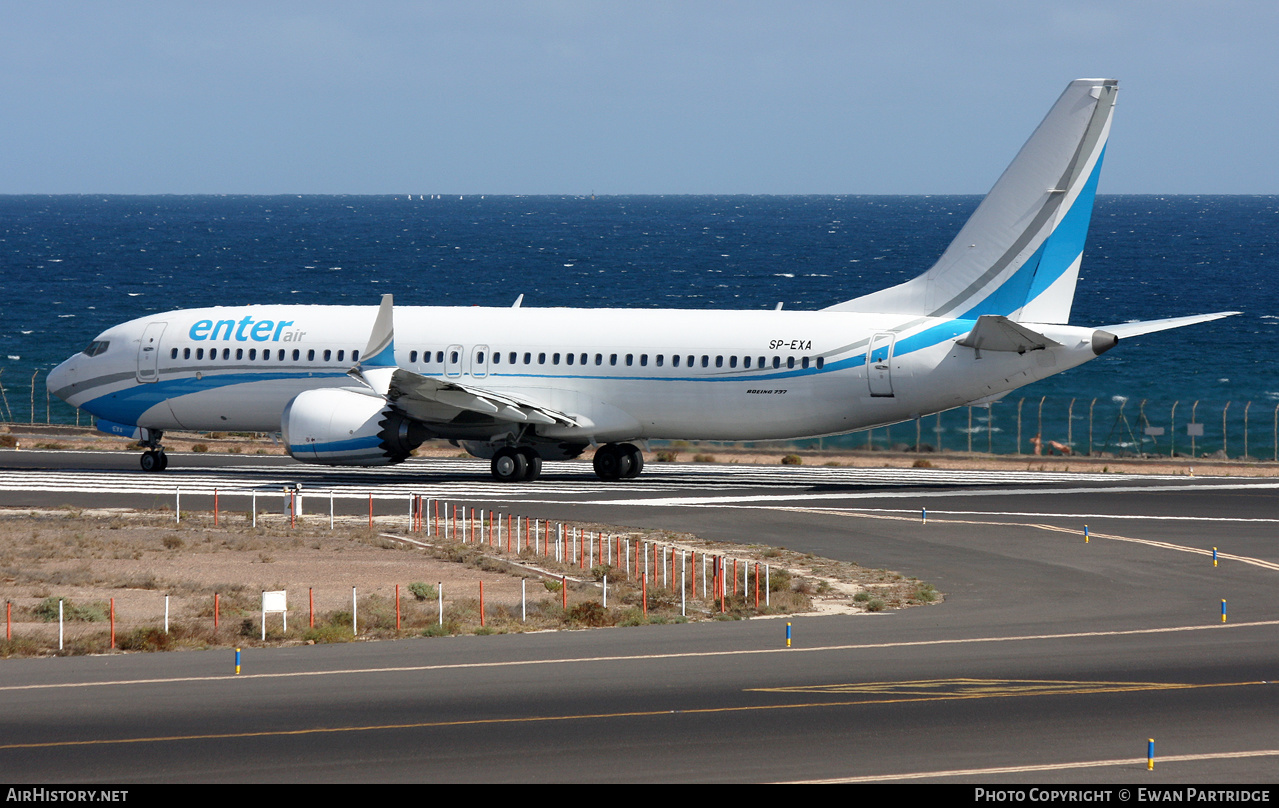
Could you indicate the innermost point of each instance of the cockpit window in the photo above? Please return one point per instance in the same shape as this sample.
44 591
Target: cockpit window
96 347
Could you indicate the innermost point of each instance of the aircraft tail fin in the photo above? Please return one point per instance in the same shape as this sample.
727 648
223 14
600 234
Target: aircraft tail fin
1018 255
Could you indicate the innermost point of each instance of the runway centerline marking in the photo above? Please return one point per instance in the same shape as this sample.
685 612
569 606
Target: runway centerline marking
642 657
1097 688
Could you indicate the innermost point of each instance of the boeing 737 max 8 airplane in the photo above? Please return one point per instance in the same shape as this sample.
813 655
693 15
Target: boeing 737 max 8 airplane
365 385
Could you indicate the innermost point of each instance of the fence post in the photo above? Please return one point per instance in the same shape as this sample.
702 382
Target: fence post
1193 409
1172 430
1020 401
1070 426
1090 408
1224 409
970 428
990 428
33 395
1040 430
938 432
1245 429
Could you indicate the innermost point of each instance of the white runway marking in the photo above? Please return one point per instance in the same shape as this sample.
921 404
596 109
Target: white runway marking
458 479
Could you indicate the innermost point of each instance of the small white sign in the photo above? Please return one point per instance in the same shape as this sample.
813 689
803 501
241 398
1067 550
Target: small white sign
275 603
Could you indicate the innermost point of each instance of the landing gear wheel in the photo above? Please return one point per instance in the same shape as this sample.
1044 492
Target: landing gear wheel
636 458
612 462
509 465
153 460
534 461
163 458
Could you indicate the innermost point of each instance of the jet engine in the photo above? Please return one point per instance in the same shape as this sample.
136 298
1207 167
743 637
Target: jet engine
344 428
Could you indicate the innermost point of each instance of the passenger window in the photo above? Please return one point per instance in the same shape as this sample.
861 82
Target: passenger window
746 362
239 353
630 359
439 357
226 353
659 360
612 359
541 358
310 355
555 359
186 353
732 361
173 354
583 359
570 358
706 361
643 360
790 361
513 358
355 356
599 359
296 354
412 356
675 361
528 358
453 357
253 353
820 362
199 353
497 357
479 358
719 361
777 362
804 363
281 356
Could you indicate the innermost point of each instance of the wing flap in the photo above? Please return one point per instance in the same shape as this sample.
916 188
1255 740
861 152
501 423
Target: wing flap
405 384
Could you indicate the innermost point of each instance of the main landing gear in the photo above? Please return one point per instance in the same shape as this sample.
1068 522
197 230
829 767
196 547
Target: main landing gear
512 464
154 458
618 461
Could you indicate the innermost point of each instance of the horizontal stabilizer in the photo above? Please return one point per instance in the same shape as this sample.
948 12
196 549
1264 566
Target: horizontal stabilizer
1125 330
996 333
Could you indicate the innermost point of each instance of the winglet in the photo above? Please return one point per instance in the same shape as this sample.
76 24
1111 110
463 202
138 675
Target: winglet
381 350
377 363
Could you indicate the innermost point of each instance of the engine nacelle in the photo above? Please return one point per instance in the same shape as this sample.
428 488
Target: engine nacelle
336 427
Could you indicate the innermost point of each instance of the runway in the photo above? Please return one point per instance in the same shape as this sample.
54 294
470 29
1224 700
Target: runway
1051 660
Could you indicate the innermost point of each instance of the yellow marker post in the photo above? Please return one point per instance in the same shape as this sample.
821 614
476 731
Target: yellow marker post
1214 556
1085 534
237 661
1223 610
1150 755
788 635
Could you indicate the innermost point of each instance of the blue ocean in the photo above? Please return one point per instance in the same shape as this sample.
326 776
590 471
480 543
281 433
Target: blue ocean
74 265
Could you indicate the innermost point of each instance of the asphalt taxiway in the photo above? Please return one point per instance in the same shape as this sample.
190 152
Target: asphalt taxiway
1051 659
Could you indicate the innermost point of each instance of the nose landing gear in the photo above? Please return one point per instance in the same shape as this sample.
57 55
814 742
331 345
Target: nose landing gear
154 458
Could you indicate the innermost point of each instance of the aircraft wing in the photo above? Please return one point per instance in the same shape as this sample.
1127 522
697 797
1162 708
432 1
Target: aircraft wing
434 400
409 390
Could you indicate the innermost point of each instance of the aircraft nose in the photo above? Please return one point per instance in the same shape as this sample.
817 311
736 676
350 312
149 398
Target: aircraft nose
61 379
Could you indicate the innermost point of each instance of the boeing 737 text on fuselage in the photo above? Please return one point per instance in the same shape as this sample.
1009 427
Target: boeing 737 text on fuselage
365 385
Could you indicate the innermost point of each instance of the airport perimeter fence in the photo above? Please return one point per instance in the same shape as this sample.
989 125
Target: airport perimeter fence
584 578
1105 426
1091 426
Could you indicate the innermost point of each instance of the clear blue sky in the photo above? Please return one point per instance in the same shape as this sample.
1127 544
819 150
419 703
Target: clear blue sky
632 97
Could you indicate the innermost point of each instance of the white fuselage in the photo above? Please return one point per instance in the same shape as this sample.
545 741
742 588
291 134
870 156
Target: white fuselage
624 374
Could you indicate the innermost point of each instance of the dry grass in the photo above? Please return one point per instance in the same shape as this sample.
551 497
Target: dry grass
93 560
